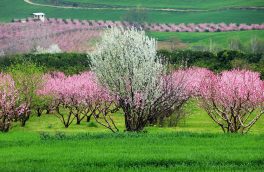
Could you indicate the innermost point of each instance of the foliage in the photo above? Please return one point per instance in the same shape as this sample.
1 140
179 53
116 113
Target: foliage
28 79
233 99
73 63
223 60
69 63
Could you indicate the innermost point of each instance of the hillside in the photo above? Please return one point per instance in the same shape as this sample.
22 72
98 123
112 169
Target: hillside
157 4
214 11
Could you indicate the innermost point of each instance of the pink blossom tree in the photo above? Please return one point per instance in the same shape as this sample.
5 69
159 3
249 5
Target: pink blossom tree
234 99
28 79
81 96
178 87
9 99
8 95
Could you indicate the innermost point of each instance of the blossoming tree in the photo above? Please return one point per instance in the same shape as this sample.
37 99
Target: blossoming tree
81 96
9 102
234 99
127 63
28 79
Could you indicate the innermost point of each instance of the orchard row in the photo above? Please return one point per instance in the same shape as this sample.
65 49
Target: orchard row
229 98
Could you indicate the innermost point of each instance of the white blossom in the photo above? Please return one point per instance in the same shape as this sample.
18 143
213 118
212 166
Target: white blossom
126 62
52 49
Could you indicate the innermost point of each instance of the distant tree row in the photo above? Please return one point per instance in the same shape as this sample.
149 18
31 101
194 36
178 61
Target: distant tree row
73 63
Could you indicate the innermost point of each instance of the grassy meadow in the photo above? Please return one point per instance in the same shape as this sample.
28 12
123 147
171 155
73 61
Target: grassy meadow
20 9
196 144
22 151
220 40
172 4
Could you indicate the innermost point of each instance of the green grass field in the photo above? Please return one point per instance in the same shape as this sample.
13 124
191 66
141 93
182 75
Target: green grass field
131 152
220 40
176 4
20 9
197 144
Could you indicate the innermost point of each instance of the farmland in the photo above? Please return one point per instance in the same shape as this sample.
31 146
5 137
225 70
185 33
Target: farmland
159 4
20 9
219 39
212 12
80 35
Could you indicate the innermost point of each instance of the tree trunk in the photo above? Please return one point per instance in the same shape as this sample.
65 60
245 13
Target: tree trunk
23 122
89 118
4 125
78 120
39 112
133 125
4 128
24 119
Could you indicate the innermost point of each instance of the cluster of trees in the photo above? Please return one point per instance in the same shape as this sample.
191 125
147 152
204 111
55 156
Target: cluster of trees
81 96
233 99
68 63
126 62
73 63
128 74
217 62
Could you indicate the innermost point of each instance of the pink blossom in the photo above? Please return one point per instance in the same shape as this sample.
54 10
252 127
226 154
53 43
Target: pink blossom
230 98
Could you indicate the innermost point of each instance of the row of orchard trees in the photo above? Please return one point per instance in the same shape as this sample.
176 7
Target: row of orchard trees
127 74
127 64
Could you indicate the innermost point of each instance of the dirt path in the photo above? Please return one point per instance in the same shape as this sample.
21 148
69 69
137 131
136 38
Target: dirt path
151 9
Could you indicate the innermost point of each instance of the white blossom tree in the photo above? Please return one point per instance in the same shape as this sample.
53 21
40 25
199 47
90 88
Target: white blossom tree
127 63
